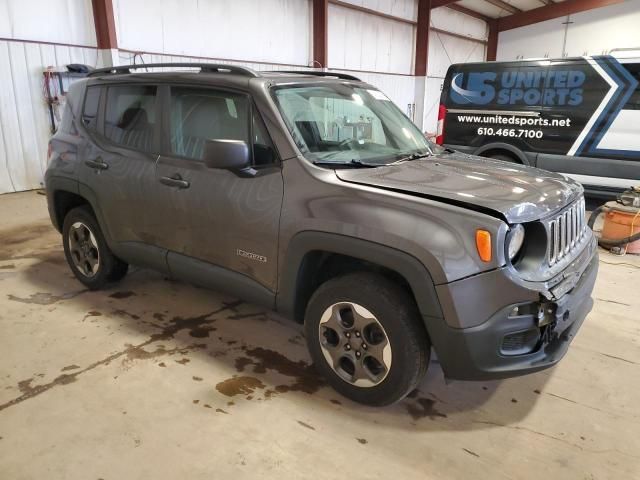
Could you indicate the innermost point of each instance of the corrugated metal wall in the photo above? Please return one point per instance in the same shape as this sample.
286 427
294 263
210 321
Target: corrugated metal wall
445 50
275 31
593 32
264 35
363 44
24 118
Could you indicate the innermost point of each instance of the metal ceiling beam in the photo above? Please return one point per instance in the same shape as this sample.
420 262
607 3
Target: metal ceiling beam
458 35
471 13
441 3
504 6
371 11
549 12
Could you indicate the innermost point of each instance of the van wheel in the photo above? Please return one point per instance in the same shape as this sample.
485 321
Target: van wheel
88 255
504 158
366 337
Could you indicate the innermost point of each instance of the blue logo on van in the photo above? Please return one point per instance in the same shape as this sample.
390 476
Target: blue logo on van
535 87
478 91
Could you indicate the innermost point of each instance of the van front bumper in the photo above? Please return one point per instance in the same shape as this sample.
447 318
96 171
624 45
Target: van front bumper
527 331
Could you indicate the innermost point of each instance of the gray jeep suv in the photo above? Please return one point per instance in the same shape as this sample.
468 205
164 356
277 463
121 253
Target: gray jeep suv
312 194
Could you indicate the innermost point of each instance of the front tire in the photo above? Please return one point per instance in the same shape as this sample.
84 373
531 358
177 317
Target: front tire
86 250
366 337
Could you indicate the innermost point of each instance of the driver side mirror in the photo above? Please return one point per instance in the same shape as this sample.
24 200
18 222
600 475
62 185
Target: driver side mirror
227 154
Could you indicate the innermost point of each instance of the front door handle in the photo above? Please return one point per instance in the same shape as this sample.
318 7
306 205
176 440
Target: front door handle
98 164
174 181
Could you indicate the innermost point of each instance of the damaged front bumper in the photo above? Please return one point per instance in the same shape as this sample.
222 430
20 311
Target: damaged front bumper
494 327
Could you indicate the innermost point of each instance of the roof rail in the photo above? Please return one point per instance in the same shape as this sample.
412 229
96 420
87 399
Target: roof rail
204 68
318 73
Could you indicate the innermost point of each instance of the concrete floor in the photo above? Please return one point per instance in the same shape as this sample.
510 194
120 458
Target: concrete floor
157 379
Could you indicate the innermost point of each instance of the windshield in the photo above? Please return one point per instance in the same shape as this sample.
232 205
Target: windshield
348 124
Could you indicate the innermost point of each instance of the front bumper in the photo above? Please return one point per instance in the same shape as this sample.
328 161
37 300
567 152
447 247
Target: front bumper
510 342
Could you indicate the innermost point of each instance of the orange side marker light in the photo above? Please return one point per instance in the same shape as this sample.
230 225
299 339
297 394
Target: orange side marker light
483 244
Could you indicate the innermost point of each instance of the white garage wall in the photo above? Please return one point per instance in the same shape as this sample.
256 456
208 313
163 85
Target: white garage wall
377 50
276 31
24 120
407 9
364 42
445 50
593 32
57 21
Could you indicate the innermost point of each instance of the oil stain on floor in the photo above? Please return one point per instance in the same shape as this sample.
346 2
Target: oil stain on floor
43 298
239 386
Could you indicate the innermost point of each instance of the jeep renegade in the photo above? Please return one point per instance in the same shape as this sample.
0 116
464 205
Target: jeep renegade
312 194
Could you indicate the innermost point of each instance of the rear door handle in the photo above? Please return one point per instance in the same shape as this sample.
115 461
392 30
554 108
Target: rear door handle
174 181
98 164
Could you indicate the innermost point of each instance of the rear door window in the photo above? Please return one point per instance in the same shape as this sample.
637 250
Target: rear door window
130 116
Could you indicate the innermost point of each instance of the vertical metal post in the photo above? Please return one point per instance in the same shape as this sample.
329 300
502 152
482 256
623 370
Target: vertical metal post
320 20
492 43
422 38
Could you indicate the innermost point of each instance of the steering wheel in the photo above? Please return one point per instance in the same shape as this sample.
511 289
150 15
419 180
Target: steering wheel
346 142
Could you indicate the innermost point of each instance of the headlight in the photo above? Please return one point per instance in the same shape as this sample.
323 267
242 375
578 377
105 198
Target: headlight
515 240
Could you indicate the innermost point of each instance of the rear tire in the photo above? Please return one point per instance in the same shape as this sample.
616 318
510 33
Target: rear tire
86 250
366 337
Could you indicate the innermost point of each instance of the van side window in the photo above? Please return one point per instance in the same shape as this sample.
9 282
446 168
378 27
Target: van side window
263 151
199 114
90 111
130 116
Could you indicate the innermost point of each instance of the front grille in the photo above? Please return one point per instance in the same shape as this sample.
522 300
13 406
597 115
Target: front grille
565 231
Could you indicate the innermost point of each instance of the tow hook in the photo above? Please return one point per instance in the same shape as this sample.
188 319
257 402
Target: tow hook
546 314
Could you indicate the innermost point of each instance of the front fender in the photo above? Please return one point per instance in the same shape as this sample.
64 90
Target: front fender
411 269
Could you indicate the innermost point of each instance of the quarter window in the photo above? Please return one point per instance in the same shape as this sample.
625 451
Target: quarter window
131 116
90 111
199 115
263 151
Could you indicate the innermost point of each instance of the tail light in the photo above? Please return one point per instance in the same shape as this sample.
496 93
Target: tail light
442 113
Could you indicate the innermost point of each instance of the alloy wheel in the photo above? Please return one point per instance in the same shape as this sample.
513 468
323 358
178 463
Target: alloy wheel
355 344
84 249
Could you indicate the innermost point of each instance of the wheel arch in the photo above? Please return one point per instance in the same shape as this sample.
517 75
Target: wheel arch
309 250
500 148
63 194
63 202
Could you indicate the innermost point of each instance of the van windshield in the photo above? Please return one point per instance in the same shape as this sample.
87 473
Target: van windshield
345 124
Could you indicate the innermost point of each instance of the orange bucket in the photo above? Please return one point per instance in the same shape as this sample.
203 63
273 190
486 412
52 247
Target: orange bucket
621 221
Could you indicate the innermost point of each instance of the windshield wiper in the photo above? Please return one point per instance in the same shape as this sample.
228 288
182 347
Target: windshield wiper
413 156
351 163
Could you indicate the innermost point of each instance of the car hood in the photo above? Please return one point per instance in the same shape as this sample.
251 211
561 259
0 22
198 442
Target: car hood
515 192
